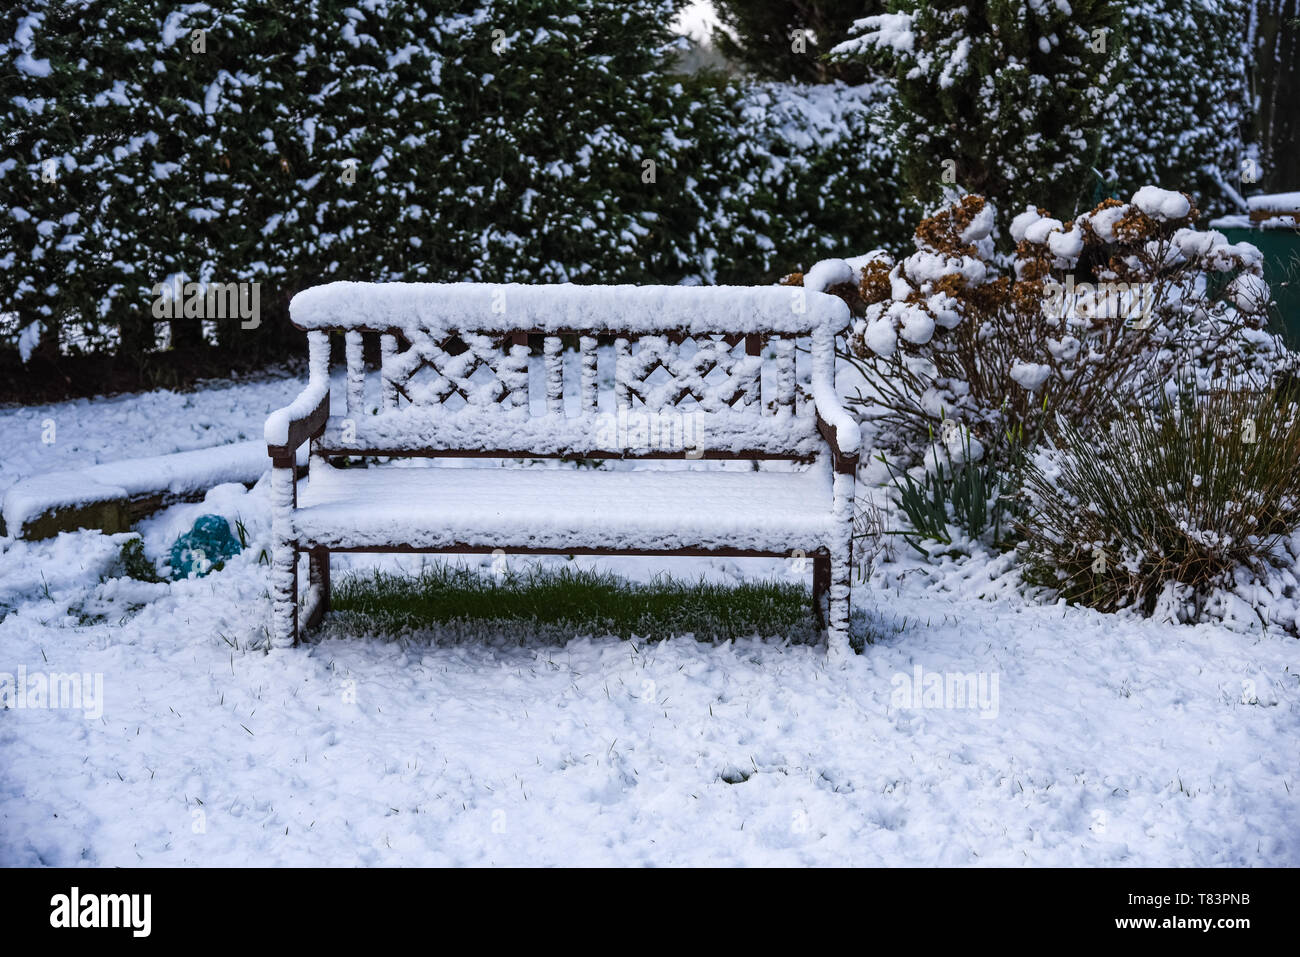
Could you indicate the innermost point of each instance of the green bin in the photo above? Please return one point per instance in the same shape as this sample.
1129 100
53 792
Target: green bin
1281 249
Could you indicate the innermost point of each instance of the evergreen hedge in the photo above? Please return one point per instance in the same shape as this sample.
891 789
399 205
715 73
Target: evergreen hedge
294 143
1181 116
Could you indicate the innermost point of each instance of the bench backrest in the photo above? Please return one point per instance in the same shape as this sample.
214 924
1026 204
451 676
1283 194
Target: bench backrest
698 371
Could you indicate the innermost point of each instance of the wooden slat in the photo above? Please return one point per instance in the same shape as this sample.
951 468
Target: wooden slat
742 455
553 350
388 353
459 549
622 362
588 390
524 335
785 372
754 347
356 374
512 370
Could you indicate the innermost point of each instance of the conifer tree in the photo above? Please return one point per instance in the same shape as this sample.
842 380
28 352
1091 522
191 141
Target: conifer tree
1178 122
788 39
1005 98
1273 61
90 182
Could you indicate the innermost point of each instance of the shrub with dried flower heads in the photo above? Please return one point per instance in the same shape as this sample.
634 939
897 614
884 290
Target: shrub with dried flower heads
1118 305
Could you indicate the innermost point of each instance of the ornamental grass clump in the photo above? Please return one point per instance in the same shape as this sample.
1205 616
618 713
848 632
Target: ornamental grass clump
1167 504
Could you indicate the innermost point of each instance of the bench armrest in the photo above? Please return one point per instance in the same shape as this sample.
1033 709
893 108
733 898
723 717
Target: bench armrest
827 273
838 427
290 427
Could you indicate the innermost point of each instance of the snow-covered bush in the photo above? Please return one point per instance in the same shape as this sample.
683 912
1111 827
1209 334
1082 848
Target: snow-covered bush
801 171
1004 98
1117 305
1181 112
1168 505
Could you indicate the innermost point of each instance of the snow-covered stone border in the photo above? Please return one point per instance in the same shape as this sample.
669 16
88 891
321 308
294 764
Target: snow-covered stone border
111 495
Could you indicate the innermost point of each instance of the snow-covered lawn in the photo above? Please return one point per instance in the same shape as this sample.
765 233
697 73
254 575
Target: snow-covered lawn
108 429
1096 739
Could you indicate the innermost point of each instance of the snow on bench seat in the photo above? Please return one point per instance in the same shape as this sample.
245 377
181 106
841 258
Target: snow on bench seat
566 509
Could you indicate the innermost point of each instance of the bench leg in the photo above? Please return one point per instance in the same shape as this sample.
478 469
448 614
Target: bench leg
318 586
838 649
284 560
821 587
837 612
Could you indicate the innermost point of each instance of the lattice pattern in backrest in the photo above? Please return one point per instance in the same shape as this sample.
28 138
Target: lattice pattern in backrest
637 395
722 357
663 371
709 373
482 370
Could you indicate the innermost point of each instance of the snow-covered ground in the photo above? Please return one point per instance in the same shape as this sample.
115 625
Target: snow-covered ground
1086 739
68 435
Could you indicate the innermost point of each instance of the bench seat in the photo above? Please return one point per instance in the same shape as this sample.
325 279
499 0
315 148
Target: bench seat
567 509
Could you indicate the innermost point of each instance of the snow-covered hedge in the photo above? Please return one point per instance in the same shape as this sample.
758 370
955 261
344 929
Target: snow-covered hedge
284 144
1184 100
802 174
367 139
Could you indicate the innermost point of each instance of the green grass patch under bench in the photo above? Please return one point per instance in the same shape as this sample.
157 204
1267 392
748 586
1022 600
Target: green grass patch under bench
450 601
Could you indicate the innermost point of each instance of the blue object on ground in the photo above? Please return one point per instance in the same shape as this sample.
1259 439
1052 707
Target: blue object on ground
205 547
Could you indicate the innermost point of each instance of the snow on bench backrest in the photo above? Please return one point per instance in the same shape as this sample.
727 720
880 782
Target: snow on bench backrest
512 307
455 367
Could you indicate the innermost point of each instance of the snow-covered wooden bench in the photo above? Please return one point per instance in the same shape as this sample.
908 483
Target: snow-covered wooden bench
700 373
